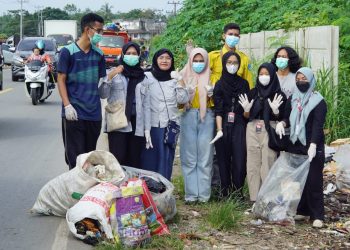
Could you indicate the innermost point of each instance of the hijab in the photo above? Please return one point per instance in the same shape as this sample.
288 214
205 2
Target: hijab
302 105
200 80
264 92
135 75
231 83
159 74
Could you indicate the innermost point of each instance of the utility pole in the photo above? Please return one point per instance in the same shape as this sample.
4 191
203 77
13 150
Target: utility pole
40 19
21 20
175 4
159 12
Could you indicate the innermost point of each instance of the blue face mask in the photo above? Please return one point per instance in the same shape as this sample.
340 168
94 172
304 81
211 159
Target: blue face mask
281 62
131 60
198 67
232 41
95 39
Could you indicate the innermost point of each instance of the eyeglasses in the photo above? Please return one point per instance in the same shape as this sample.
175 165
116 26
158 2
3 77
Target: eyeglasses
232 63
99 31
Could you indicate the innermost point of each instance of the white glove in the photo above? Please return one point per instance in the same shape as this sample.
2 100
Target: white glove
210 90
176 75
276 103
70 113
219 134
312 151
246 105
148 139
191 90
280 129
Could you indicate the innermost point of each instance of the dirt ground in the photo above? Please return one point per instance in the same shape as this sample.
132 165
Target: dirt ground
191 226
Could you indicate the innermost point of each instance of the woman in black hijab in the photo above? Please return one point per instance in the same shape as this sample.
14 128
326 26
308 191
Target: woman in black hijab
268 102
166 91
128 85
231 126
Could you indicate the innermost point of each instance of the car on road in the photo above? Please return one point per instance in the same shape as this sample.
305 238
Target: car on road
25 48
1 64
7 53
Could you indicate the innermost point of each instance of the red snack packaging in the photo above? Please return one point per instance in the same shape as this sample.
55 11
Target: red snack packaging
155 220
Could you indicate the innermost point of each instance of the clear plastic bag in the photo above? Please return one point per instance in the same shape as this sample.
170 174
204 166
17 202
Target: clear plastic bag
281 192
165 201
342 157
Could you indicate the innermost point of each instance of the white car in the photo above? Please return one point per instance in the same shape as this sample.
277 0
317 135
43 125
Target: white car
7 54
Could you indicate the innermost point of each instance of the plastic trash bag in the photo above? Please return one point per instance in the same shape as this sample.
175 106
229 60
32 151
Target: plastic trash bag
94 205
128 215
342 157
165 201
61 193
281 192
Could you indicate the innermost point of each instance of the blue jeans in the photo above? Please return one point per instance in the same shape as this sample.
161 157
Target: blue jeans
196 154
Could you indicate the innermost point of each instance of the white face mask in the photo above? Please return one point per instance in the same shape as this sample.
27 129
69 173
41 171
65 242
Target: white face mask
264 80
231 68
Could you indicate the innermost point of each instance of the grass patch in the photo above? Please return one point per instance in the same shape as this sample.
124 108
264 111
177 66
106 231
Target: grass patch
225 215
179 184
171 241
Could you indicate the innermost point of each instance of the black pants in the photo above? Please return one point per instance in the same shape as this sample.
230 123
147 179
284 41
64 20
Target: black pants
311 203
231 152
127 147
79 137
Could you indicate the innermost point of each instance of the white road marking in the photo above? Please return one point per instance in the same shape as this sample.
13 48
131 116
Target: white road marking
61 237
6 90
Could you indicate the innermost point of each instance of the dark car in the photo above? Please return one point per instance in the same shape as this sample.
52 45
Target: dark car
25 48
1 64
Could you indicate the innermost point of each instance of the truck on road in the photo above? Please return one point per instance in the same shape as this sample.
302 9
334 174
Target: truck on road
63 31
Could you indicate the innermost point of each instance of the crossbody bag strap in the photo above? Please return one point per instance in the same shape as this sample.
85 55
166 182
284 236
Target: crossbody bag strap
166 105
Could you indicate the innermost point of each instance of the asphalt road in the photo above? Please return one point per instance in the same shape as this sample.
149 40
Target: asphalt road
31 154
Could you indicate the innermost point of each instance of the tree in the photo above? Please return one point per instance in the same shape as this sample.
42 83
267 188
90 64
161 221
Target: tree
54 14
106 12
71 9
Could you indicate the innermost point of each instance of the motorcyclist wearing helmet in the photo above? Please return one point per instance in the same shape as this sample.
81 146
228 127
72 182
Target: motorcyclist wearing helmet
40 44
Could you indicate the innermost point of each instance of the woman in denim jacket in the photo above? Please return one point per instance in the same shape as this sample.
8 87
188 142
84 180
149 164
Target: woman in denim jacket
128 84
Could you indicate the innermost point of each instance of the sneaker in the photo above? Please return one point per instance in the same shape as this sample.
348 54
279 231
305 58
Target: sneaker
190 202
317 224
299 217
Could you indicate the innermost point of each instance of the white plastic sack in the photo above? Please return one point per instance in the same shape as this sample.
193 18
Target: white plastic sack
165 202
281 192
55 198
95 204
342 157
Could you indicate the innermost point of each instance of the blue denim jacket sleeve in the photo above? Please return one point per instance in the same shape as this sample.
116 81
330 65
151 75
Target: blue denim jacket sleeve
182 95
146 105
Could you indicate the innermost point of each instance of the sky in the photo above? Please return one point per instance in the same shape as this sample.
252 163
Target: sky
118 5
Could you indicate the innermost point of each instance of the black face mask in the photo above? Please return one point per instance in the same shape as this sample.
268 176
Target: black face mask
303 86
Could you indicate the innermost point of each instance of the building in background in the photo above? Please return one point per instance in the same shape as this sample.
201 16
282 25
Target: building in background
142 29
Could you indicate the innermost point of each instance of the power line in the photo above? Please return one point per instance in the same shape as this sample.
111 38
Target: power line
175 4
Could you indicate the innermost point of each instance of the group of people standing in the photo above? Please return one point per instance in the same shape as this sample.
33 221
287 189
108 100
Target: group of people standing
214 91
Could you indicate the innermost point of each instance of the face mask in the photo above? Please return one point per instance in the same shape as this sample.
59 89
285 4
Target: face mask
282 63
264 80
231 68
198 67
95 39
232 41
131 60
303 86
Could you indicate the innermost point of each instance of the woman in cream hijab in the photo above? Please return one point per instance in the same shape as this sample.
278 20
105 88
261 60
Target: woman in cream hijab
197 128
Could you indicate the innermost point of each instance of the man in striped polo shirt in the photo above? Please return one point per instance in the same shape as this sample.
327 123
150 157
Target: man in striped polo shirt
80 67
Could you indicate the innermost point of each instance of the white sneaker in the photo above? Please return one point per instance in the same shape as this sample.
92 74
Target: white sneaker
299 217
317 224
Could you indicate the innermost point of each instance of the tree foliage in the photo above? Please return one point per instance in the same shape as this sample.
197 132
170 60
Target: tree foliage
203 21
